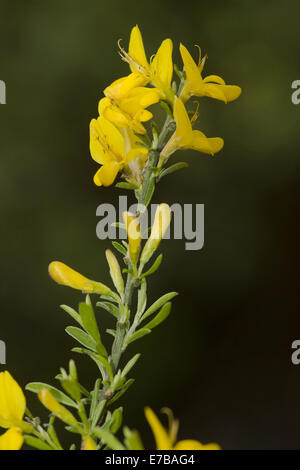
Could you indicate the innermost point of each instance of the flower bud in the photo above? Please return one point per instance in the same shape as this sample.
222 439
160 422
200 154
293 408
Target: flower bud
161 223
62 274
115 271
48 400
134 235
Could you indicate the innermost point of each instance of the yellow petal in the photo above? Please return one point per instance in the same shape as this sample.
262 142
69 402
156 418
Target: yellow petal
113 137
161 436
112 113
183 124
88 443
11 440
214 79
162 67
107 174
48 400
206 145
190 444
136 49
97 147
63 274
12 401
193 75
120 88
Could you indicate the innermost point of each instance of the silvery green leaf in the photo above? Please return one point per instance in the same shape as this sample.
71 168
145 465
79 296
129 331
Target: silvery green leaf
154 266
159 303
82 337
172 169
124 185
117 418
98 359
109 307
95 396
138 334
109 439
98 411
90 325
132 439
150 192
130 365
61 397
111 332
121 392
160 317
72 313
120 248
142 298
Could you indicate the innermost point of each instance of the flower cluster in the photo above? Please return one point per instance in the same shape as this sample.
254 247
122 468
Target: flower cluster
119 140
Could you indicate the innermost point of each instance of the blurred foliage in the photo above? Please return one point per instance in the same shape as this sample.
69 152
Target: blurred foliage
224 354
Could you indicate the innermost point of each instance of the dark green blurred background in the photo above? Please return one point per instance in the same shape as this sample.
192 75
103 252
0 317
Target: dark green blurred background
222 360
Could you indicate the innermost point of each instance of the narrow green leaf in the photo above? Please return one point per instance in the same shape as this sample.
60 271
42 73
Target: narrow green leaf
109 439
95 396
72 313
120 248
138 334
159 303
154 267
111 332
150 192
172 169
98 411
160 317
82 337
109 307
124 185
98 359
132 439
117 417
90 325
130 364
167 108
119 225
142 298
61 397
36 443
121 392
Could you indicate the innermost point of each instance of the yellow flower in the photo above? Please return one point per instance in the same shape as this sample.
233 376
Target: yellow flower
161 223
212 85
160 69
121 87
112 149
12 402
63 274
88 443
186 138
11 440
130 111
48 400
165 439
12 410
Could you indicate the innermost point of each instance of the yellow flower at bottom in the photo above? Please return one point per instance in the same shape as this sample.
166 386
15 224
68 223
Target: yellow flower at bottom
88 443
11 440
12 402
186 138
165 439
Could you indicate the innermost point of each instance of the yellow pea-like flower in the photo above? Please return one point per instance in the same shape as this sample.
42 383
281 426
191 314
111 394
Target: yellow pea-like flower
115 271
212 85
11 440
66 276
12 402
130 111
158 71
134 235
111 147
161 223
48 400
185 137
165 439
88 443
